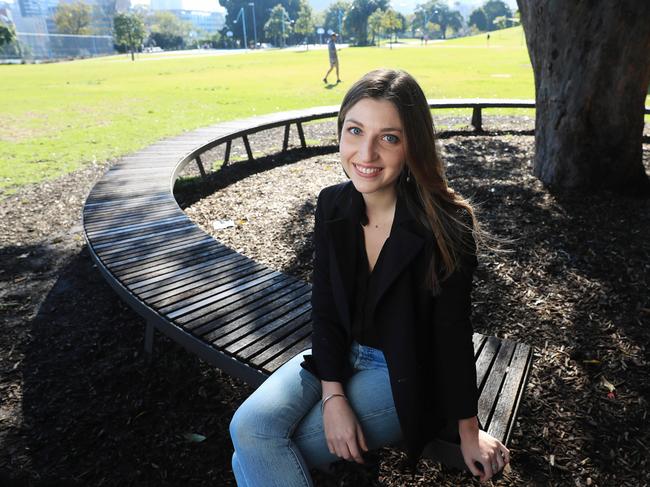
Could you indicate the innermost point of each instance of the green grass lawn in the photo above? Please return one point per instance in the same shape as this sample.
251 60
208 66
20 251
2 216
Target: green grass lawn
58 117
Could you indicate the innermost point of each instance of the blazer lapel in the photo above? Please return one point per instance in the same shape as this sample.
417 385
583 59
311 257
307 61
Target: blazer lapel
402 246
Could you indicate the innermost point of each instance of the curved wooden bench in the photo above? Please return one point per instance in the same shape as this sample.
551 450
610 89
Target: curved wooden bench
229 310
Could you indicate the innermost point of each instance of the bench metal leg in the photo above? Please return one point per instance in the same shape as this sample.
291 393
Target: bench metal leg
477 119
201 169
248 148
148 339
285 143
302 136
226 157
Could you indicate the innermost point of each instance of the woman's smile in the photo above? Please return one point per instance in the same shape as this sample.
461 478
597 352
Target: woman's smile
366 171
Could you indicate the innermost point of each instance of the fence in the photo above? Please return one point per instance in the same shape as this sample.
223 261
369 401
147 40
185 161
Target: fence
32 45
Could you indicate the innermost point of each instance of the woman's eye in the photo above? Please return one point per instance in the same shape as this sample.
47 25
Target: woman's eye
391 139
354 130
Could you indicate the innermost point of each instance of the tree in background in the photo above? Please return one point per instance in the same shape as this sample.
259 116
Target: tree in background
7 35
167 30
129 32
305 22
492 10
448 19
73 18
335 12
211 40
410 23
392 23
375 25
356 21
277 27
437 13
592 70
263 9
478 19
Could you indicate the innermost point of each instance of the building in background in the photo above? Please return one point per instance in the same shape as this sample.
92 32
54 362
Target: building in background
32 8
166 5
33 21
208 22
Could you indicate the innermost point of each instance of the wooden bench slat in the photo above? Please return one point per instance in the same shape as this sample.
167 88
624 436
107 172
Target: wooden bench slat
485 359
136 273
172 300
149 237
217 314
175 244
282 347
490 390
258 321
104 222
211 295
143 232
131 227
187 275
262 338
505 410
197 248
93 203
275 363
149 242
111 216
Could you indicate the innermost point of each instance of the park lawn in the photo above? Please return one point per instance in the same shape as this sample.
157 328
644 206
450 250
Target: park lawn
58 117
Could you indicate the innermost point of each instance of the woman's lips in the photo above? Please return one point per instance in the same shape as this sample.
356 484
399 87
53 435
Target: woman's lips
368 172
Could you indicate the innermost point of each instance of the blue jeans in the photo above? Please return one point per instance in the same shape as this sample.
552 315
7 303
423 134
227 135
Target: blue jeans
278 431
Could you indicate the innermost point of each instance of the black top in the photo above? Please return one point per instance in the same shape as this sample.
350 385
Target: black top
363 330
426 337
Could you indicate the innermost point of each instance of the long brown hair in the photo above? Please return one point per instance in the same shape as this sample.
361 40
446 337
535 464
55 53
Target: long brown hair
423 184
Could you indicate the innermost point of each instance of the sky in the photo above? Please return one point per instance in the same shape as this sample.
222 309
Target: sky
202 5
403 6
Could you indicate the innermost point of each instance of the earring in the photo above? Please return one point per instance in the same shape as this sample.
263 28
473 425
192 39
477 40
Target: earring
408 174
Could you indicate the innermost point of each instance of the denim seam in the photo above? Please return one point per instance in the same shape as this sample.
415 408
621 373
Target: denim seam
295 458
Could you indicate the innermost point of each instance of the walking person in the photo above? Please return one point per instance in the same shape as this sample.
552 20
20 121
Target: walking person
392 357
334 58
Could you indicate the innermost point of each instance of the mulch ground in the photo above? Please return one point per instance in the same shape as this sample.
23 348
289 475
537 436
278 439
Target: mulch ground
80 404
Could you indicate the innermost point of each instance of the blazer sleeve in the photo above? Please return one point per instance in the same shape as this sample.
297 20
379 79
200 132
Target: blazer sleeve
329 338
455 367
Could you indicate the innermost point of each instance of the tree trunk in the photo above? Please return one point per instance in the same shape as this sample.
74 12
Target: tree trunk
592 70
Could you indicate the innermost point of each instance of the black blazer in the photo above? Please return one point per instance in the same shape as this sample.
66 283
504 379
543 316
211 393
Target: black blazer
427 340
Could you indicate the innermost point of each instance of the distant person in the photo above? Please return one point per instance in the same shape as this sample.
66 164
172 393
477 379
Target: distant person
334 58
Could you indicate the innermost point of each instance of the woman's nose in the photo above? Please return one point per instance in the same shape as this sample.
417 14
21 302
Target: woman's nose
367 150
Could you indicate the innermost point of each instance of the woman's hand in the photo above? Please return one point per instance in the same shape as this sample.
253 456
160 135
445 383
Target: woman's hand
486 450
342 430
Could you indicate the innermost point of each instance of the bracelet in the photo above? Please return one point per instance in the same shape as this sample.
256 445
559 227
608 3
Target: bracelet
327 398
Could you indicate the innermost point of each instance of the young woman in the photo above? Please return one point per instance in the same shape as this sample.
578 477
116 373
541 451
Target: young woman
392 356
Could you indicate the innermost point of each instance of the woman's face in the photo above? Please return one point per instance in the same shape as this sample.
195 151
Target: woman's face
373 146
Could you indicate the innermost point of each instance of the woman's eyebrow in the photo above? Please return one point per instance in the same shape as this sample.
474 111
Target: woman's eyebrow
387 129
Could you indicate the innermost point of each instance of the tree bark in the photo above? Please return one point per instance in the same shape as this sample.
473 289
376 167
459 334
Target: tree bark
591 61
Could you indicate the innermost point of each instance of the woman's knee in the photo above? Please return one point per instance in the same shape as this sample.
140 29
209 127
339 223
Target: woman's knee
244 426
